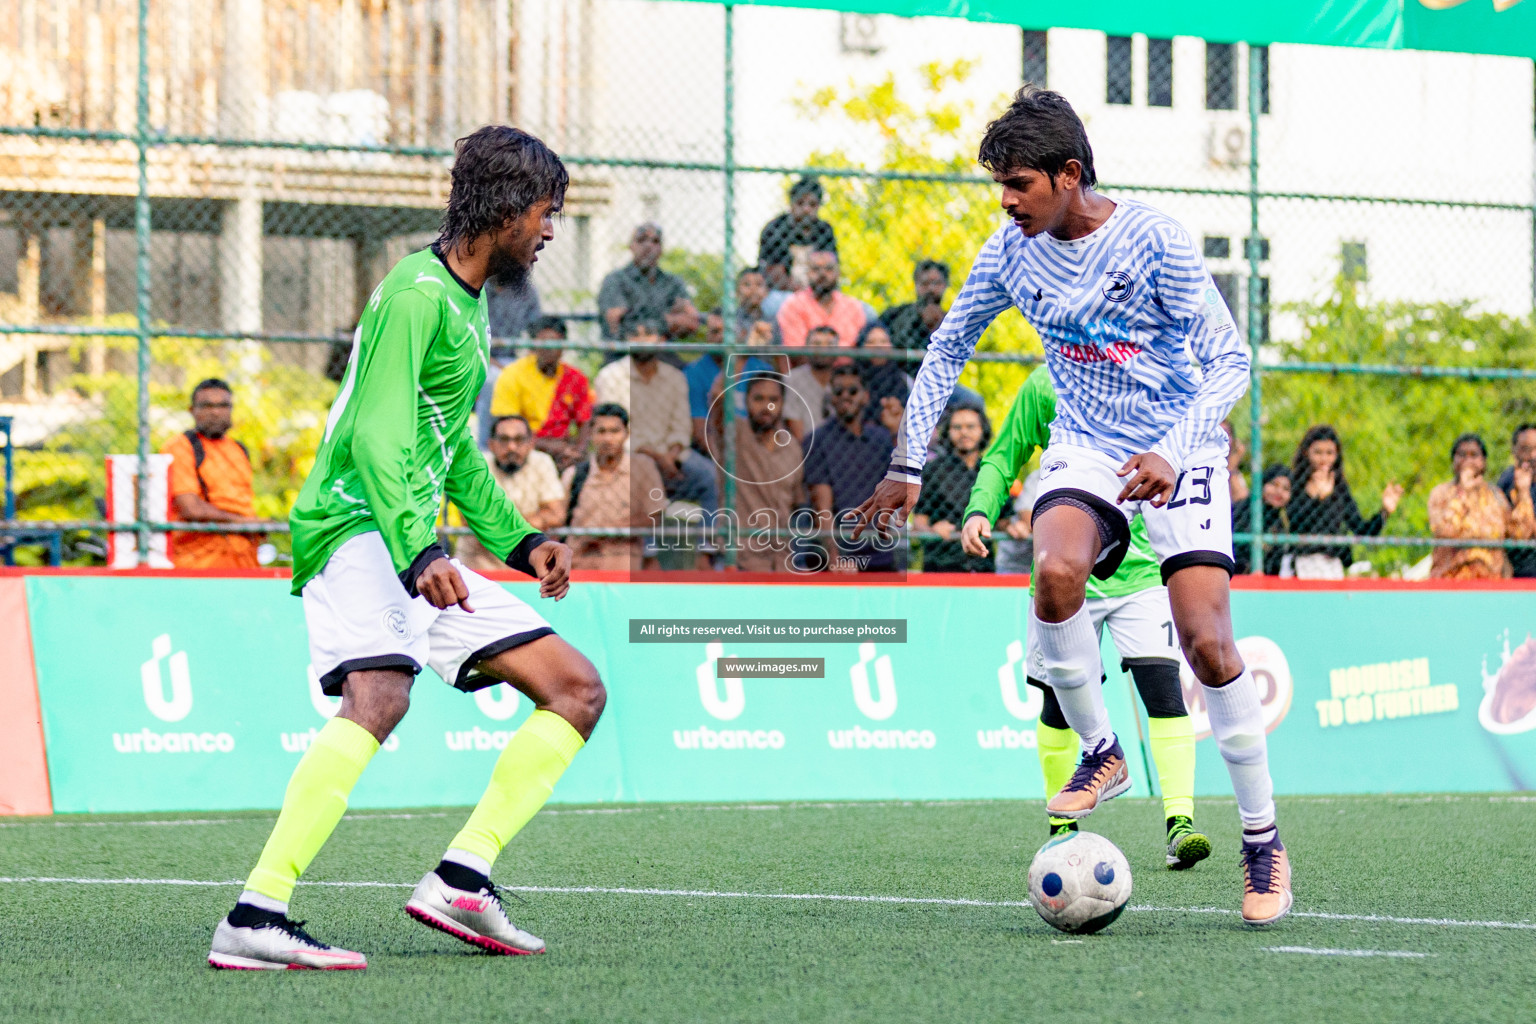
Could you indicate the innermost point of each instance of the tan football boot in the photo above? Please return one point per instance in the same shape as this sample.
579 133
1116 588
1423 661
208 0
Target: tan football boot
1266 883
1100 776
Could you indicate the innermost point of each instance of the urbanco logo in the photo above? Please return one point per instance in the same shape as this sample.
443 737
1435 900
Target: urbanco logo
1023 701
325 706
735 700
180 703
497 702
875 707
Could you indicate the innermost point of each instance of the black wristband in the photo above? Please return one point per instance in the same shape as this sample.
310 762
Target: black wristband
429 554
518 559
978 512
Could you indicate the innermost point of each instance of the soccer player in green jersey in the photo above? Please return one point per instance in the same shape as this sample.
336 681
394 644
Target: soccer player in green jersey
1133 603
381 596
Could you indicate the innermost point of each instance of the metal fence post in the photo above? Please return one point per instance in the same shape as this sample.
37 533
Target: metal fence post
1255 332
141 226
728 290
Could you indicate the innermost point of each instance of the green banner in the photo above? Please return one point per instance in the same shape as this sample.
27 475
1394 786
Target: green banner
1506 27
197 695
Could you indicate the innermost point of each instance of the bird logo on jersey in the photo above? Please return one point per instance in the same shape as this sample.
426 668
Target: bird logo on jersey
1117 287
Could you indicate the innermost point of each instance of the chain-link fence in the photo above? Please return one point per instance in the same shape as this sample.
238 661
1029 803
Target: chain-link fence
193 191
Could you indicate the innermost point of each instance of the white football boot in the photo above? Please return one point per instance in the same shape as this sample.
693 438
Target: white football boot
476 917
277 945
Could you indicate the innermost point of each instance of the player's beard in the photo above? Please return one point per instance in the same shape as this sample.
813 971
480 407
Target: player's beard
509 271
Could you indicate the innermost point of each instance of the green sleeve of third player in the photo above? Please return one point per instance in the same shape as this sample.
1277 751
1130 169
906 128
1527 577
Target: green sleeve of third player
486 507
384 420
1026 428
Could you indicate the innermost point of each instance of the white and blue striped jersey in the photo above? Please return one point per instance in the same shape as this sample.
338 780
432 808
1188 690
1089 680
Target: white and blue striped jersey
1141 349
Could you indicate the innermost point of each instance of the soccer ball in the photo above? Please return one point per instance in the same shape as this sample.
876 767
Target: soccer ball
1079 882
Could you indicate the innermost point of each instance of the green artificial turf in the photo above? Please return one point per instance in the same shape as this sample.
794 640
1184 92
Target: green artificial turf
132 952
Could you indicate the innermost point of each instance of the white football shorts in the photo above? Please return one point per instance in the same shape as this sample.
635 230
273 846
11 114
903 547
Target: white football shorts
360 617
1140 624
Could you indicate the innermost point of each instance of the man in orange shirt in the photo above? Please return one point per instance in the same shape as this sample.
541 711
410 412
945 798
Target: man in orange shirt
211 482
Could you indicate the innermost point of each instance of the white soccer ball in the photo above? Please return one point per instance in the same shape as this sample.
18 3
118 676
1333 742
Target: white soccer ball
1079 882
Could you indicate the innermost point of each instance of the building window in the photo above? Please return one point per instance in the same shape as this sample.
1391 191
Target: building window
1352 261
1159 72
1263 247
1220 76
1217 247
1117 70
1035 66
1261 55
1234 292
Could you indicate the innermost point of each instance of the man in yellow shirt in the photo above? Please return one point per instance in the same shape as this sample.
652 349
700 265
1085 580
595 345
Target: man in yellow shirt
554 397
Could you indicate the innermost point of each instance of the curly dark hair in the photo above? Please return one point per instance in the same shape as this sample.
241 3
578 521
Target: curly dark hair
1040 131
498 173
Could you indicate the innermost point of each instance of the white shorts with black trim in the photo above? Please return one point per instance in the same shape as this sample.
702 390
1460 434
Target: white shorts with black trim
360 617
1194 527
1140 624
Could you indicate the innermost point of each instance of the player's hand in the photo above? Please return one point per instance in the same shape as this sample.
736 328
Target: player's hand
887 508
1151 479
552 561
441 584
974 536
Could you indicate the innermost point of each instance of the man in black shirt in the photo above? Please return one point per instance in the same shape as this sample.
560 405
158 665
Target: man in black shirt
1522 449
643 291
911 323
791 237
947 483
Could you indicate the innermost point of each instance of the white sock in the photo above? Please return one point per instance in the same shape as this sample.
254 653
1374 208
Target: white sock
252 898
1237 722
473 861
1070 651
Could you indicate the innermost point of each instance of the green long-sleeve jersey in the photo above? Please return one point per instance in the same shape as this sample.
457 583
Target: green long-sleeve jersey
1028 427
397 438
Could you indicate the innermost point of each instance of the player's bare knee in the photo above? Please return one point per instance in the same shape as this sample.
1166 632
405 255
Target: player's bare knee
376 704
582 697
1059 585
1213 657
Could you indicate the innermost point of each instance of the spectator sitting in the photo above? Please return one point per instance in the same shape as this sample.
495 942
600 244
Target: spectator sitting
613 489
821 304
769 474
501 356
704 373
529 478
1275 496
643 290
888 385
1321 502
788 239
656 396
511 308
806 404
755 325
550 395
846 459
1467 507
211 481
1522 450
947 483
912 322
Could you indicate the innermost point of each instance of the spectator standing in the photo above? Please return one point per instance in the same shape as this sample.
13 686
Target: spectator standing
822 304
211 481
527 476
1522 450
770 479
612 489
1275 496
754 324
911 323
642 290
947 483
655 395
806 403
845 459
887 383
788 239
1467 507
1321 502
550 395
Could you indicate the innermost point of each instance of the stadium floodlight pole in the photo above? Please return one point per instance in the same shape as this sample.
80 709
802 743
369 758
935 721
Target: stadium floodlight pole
728 284
1255 334
141 226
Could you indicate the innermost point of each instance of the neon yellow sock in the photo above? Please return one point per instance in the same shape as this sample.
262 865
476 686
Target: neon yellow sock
315 801
525 775
1058 749
1173 750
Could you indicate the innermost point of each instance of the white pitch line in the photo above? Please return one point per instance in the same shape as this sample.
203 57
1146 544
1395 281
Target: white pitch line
596 890
1402 954
402 816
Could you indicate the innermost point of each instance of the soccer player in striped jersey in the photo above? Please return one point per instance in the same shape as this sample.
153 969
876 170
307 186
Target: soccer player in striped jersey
1133 603
382 598
1146 363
